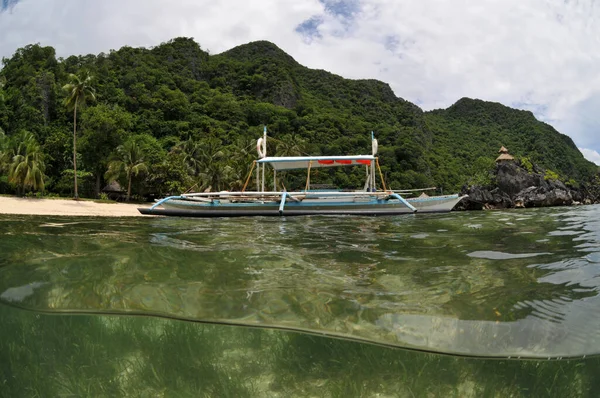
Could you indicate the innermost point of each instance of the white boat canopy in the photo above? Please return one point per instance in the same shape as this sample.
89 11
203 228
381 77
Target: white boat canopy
305 162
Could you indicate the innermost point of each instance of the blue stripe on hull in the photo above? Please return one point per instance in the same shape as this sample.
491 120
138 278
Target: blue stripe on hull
374 207
272 213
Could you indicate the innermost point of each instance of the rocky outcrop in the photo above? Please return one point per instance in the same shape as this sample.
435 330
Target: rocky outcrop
539 197
512 179
515 186
480 198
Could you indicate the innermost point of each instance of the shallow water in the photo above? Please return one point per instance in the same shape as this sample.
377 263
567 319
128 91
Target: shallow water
512 284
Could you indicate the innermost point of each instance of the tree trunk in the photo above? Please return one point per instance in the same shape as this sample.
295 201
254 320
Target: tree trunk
97 185
129 189
76 196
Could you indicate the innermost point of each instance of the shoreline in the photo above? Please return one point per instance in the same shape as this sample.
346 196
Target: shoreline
66 207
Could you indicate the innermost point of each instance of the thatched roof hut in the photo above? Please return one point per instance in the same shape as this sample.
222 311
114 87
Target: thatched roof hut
115 191
113 187
504 155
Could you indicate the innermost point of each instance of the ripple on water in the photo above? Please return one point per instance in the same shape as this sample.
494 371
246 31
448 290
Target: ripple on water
493 255
354 277
565 233
594 257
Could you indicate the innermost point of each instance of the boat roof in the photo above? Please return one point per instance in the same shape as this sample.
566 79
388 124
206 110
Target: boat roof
303 162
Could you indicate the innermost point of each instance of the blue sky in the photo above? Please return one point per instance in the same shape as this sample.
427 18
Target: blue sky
540 55
6 4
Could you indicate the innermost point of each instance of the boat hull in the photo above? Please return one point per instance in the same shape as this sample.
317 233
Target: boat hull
375 207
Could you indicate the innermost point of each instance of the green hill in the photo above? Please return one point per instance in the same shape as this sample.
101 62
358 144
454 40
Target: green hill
471 131
193 117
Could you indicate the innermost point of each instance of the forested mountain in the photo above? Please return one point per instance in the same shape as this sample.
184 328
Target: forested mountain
168 118
470 132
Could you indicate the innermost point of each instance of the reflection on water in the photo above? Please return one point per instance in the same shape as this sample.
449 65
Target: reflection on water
493 284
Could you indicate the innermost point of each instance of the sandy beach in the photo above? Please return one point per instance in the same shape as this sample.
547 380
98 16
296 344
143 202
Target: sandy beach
66 207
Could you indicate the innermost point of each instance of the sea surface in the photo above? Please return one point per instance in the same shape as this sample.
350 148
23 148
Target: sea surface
498 303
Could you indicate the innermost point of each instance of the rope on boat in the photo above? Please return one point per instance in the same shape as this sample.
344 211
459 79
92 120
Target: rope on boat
380 174
308 176
192 187
249 175
414 190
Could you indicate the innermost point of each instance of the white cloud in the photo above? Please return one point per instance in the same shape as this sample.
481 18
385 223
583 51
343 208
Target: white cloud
90 26
591 155
539 54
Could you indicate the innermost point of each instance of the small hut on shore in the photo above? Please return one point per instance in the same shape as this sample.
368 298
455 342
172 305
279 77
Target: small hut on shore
115 191
504 155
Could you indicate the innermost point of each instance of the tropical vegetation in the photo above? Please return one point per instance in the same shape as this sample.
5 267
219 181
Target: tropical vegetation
128 162
21 158
78 92
193 120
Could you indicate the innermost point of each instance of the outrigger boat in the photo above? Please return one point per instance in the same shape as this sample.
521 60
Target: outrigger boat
368 201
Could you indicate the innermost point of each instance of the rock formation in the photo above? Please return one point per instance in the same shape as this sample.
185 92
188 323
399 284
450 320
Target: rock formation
515 186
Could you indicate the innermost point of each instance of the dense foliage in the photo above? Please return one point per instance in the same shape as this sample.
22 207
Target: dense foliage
191 119
470 132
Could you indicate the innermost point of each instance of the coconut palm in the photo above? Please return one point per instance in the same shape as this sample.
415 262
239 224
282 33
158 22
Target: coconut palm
192 155
2 84
214 173
129 161
78 92
290 145
206 161
241 155
3 151
26 164
3 143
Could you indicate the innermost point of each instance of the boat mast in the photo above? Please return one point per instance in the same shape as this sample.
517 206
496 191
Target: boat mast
308 176
373 188
261 148
257 177
264 143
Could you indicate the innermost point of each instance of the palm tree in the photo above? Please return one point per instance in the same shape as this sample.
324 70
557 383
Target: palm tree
205 160
129 161
2 84
192 154
240 154
3 151
26 165
213 170
290 145
78 92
